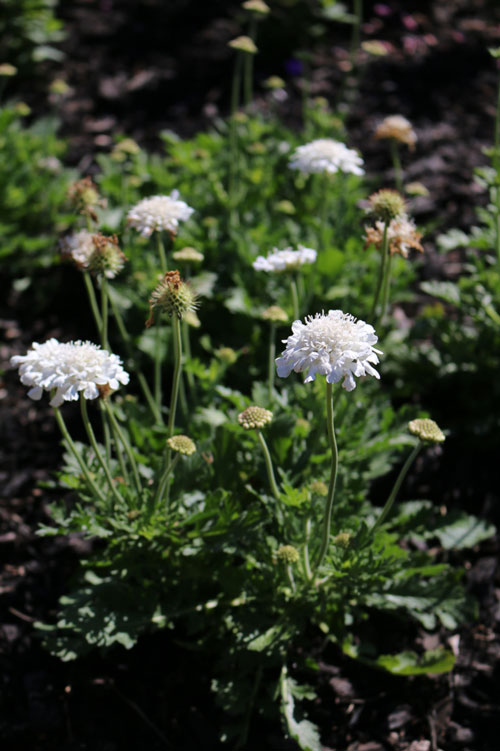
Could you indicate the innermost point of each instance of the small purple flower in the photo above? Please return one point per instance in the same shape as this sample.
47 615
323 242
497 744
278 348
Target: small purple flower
294 67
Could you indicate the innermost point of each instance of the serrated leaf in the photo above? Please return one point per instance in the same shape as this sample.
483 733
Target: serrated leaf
461 530
305 733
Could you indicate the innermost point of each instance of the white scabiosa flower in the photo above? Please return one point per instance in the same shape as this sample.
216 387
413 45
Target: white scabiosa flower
326 155
70 368
279 261
159 213
78 248
335 345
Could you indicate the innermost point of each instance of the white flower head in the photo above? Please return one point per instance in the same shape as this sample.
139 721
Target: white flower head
279 261
159 213
326 155
79 248
71 368
335 345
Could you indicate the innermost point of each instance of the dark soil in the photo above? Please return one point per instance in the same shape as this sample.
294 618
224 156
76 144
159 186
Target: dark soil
137 68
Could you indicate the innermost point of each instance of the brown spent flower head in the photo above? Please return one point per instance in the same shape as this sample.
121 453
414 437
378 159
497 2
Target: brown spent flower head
244 44
188 255
427 430
401 235
387 204
84 196
275 314
106 257
254 418
256 6
182 444
397 128
343 540
172 296
288 554
319 487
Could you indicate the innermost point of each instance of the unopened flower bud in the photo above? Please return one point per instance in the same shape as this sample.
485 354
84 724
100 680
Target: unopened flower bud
7 70
172 296
319 487
387 204
254 417
275 314
244 44
257 6
182 444
274 82
288 554
227 355
427 430
342 540
188 255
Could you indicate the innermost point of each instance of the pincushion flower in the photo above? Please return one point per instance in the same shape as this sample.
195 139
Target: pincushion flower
279 261
71 368
94 252
326 155
159 213
78 247
335 345
402 235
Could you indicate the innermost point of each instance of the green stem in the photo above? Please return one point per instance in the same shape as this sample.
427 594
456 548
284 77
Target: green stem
162 485
186 343
93 300
233 138
307 565
271 363
333 476
396 163
161 253
97 450
140 376
386 286
289 574
177 339
157 368
324 211
295 298
355 39
248 65
104 312
381 273
269 466
85 470
496 164
121 437
397 485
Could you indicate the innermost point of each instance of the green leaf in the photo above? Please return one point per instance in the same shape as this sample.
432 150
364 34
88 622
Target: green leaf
446 291
461 530
433 661
304 732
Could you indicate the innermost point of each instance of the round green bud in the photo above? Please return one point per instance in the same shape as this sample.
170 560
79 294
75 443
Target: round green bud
275 314
182 444
288 554
427 430
254 417
387 204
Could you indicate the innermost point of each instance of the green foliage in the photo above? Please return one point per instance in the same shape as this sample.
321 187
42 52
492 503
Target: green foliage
28 32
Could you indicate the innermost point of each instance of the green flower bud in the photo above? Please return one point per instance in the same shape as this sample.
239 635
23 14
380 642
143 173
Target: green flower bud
427 430
319 487
188 255
275 314
244 44
343 540
387 204
182 444
288 554
254 417
172 296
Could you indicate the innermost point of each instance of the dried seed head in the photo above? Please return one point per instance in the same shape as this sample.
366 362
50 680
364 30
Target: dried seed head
106 257
343 540
427 430
172 296
244 44
182 444
254 417
84 197
387 204
319 487
288 554
275 314
188 255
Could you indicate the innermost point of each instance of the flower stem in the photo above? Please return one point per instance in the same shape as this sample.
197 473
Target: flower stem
289 574
496 164
121 437
295 298
140 375
93 300
248 65
104 312
397 485
233 139
333 476
386 286
269 465
381 273
161 253
396 163
97 451
83 466
176 331
324 212
118 450
157 369
307 565
162 485
271 364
